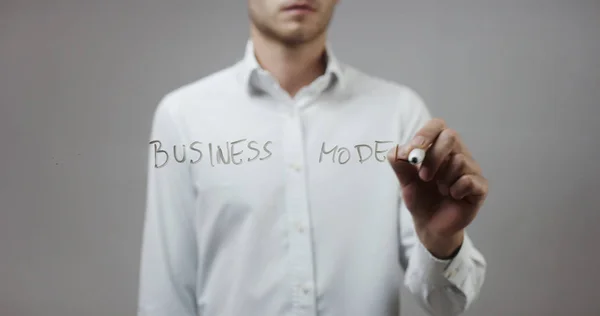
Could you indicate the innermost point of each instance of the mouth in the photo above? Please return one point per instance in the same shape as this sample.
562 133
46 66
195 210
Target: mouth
299 7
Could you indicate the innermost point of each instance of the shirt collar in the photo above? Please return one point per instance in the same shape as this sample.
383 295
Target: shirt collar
250 66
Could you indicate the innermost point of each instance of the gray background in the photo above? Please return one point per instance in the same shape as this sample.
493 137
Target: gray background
79 81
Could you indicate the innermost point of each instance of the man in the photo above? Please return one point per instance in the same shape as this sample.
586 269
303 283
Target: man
276 187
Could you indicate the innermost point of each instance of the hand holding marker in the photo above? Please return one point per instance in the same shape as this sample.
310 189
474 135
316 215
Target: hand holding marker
441 186
415 157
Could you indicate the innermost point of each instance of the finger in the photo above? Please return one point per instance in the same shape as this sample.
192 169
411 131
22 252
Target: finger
427 134
457 166
473 186
406 172
442 188
447 142
422 139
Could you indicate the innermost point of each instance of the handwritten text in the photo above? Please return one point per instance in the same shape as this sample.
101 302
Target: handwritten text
361 152
229 153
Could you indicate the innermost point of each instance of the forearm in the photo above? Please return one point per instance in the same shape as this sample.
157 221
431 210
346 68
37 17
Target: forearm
446 287
442 247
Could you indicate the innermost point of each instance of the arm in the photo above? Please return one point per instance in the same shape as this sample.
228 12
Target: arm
442 287
168 260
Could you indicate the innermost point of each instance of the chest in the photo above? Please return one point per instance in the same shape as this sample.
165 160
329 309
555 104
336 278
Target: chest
257 169
258 146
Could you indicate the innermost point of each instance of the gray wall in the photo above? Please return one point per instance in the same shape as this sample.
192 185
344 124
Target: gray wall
79 81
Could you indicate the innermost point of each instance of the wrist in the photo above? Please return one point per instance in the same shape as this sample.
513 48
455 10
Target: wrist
442 247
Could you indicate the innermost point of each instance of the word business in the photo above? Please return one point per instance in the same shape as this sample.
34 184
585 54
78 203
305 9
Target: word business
231 153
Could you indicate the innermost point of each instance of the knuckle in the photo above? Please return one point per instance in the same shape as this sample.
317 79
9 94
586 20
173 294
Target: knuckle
448 138
451 134
468 181
460 162
486 186
439 121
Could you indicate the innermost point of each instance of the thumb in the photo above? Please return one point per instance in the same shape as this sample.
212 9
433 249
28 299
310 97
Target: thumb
406 172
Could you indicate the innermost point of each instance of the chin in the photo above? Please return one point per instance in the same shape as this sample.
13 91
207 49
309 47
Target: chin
296 40
299 35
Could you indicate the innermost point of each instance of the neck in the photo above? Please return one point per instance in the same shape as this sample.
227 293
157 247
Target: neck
293 67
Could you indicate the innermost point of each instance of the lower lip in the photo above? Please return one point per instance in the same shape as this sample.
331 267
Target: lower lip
299 11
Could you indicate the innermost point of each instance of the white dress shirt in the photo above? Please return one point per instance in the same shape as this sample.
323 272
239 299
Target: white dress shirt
262 217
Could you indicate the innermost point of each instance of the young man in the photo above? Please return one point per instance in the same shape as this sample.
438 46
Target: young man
276 187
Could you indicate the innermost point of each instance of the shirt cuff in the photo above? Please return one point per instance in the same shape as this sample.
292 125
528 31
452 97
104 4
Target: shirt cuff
440 272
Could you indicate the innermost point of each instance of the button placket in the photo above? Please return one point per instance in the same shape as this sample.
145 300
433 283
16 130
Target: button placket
300 227
301 252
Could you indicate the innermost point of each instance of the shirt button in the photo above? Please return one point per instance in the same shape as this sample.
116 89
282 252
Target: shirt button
452 273
300 227
296 167
306 290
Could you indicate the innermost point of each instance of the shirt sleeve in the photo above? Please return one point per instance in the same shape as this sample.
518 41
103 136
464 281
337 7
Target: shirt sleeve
441 287
167 274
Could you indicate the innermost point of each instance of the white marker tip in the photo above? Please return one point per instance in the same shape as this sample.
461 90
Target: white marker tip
416 156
